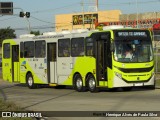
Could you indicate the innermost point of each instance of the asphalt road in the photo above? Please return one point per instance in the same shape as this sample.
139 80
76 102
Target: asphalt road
51 99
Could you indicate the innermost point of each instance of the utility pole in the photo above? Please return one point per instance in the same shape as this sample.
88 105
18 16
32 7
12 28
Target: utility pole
82 4
97 5
6 8
93 9
26 15
137 13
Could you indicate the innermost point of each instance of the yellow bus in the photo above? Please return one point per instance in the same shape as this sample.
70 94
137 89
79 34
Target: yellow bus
86 60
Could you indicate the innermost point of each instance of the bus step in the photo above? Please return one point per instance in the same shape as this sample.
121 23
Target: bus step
53 84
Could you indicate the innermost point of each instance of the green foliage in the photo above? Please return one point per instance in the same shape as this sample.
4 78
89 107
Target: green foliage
35 32
10 106
6 33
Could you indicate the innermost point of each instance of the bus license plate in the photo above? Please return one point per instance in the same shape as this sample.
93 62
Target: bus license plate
138 84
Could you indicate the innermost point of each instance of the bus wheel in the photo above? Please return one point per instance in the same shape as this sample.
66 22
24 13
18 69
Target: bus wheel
91 83
127 88
78 83
30 81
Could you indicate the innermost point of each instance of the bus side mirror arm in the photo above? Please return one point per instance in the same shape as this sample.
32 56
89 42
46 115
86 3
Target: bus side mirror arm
112 47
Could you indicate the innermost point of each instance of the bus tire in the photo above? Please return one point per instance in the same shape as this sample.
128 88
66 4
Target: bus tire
78 83
127 88
91 84
30 81
152 87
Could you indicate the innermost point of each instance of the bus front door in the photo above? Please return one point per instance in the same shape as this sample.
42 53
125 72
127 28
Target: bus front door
101 62
102 56
15 63
52 63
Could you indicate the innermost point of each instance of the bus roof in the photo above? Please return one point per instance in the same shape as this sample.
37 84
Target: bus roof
113 27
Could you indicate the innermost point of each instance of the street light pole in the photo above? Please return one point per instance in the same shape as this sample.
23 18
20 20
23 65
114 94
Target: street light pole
137 13
29 25
82 3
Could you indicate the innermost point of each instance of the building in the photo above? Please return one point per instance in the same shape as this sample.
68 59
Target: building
84 20
145 20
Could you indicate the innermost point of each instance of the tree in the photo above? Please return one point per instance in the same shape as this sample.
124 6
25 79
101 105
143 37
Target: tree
6 33
35 32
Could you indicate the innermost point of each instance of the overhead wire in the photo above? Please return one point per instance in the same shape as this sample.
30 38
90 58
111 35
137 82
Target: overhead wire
126 3
40 11
47 10
13 17
40 20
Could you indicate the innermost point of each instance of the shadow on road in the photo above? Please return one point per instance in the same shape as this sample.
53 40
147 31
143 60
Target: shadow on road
63 95
121 89
100 89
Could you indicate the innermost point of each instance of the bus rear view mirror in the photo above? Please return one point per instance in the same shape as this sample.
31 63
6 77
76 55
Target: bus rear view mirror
112 47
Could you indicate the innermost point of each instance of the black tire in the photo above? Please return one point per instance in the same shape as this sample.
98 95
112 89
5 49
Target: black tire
78 83
91 84
127 88
30 81
152 87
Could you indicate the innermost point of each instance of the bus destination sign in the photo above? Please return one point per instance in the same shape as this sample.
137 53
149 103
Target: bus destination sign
131 34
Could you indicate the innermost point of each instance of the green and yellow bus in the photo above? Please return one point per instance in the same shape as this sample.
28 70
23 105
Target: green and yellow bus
83 59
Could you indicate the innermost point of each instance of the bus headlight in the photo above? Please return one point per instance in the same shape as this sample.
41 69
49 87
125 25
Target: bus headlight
118 74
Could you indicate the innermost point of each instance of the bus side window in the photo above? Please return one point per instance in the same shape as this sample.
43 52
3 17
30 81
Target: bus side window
6 50
40 47
21 49
64 47
77 47
90 52
25 53
29 49
89 46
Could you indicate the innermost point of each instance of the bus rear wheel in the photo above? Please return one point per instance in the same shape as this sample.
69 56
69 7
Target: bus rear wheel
30 81
91 84
127 88
78 83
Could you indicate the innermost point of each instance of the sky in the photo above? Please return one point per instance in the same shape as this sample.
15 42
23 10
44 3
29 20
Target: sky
43 11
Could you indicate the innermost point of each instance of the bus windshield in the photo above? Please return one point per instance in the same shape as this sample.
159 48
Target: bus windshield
133 50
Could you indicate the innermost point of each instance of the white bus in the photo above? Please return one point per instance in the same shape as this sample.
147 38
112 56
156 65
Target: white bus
85 60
